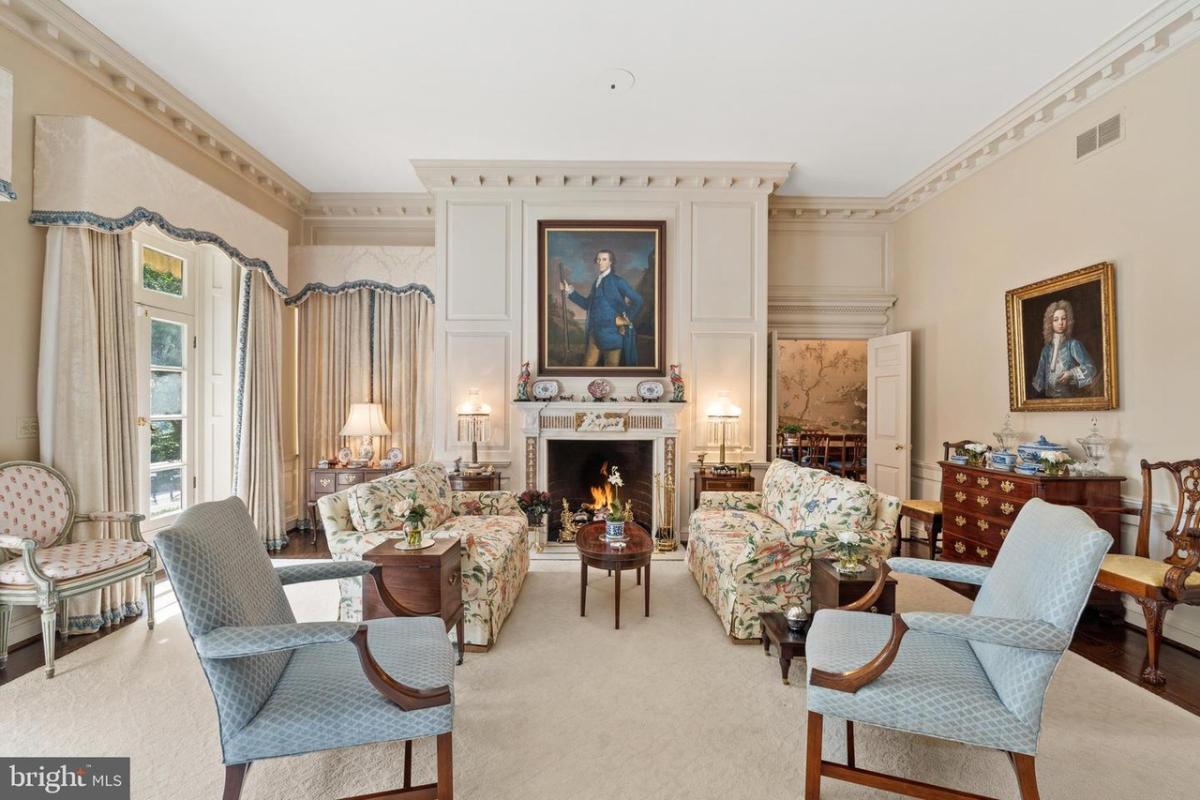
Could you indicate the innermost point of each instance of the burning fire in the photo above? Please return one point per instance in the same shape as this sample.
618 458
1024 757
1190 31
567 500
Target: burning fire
602 495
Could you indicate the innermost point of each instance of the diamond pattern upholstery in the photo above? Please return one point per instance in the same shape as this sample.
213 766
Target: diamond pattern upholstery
935 687
940 570
323 699
254 640
290 701
323 571
980 679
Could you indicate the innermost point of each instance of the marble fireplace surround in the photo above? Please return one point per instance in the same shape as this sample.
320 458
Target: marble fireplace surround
656 422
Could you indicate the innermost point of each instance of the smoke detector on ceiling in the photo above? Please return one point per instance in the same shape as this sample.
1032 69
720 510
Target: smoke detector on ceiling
617 80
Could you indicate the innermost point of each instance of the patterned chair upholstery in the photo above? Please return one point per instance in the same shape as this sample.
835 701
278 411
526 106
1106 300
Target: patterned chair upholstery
37 514
284 688
751 551
491 527
977 678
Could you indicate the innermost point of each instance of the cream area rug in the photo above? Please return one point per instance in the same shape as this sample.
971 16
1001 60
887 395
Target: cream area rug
567 707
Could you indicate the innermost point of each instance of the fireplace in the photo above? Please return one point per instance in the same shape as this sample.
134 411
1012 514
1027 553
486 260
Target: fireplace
577 469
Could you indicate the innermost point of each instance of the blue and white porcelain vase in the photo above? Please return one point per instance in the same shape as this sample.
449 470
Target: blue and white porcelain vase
614 530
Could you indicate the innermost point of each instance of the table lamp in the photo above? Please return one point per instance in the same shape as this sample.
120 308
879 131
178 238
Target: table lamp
723 412
366 420
473 416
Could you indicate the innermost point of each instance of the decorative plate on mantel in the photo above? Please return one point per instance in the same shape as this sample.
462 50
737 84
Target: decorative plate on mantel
600 389
650 390
546 389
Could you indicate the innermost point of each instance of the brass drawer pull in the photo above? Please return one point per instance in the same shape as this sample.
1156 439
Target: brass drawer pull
1007 508
982 551
983 481
326 482
960 477
1007 486
982 523
960 548
982 500
1003 533
960 496
454 578
960 520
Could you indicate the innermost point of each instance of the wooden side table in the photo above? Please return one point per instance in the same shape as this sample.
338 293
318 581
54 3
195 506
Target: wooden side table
708 481
831 589
417 583
474 483
596 551
789 642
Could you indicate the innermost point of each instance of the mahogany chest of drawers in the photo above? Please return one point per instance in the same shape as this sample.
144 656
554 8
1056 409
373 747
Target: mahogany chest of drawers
336 479
474 483
979 505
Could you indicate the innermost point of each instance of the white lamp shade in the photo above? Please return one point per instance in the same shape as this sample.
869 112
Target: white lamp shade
365 419
723 409
473 406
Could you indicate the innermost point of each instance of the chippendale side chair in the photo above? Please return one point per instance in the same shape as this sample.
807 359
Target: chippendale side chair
927 512
37 514
284 688
1158 586
977 678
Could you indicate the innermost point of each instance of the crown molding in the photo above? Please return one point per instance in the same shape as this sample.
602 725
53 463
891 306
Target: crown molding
58 30
345 205
1156 35
385 219
794 312
788 208
759 176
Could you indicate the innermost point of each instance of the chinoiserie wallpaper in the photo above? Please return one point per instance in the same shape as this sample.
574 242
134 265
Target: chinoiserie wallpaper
822 384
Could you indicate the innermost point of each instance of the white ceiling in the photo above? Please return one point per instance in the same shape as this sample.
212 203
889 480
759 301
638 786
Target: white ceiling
860 95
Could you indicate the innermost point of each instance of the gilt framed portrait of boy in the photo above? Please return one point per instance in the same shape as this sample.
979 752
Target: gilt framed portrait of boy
1062 342
601 297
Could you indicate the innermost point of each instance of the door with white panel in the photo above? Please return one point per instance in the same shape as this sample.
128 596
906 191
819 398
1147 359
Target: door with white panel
889 413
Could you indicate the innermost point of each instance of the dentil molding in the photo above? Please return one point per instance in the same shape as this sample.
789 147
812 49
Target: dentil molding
756 176
368 218
57 29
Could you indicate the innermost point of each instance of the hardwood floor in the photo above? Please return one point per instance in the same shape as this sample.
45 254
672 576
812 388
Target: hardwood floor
1117 648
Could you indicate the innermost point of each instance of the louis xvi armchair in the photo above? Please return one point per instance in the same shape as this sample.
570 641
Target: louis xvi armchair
977 678
37 513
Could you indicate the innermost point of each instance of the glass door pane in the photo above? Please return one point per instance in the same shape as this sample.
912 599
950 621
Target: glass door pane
167 380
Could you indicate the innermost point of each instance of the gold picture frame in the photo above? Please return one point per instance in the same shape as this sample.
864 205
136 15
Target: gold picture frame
1062 342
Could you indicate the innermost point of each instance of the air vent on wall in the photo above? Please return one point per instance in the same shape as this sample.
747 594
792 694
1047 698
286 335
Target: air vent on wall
1093 139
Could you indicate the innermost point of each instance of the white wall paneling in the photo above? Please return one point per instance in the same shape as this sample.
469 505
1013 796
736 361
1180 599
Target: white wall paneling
727 361
478 276
479 359
724 282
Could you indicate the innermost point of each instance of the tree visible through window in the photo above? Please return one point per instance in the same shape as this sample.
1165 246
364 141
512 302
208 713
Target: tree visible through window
162 272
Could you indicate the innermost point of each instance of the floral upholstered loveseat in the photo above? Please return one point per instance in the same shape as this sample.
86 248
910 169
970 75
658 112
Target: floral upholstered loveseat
491 528
752 551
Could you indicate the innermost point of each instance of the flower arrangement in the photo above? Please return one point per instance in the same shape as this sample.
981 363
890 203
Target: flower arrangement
1056 461
534 503
975 451
414 515
614 527
849 552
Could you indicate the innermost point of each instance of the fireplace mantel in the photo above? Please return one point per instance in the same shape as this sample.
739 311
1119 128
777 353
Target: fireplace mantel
541 422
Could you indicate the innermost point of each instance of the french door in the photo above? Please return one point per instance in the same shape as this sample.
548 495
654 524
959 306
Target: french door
166 414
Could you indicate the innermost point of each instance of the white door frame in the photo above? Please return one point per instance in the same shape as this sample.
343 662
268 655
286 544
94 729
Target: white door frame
889 413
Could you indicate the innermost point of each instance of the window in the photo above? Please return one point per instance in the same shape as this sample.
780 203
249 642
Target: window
162 272
169 421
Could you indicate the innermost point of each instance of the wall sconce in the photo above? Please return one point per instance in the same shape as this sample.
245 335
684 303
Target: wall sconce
724 414
473 416
366 420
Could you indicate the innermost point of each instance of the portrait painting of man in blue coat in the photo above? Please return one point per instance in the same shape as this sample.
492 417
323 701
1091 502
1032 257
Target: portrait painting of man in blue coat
1065 369
601 287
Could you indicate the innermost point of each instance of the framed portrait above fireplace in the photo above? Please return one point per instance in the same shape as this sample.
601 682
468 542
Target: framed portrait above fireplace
601 298
1062 342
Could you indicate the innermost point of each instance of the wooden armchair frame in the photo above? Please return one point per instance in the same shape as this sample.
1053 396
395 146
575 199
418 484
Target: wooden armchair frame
855 679
1184 535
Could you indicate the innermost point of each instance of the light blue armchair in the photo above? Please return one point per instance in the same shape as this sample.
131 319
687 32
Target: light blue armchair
283 688
977 678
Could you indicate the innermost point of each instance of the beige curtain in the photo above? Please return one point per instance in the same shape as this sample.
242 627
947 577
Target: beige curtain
334 370
87 401
258 436
403 380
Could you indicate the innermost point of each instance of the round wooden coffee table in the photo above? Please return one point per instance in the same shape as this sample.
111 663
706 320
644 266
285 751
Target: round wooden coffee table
596 551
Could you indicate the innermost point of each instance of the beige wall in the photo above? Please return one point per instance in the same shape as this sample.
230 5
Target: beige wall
45 85
1037 213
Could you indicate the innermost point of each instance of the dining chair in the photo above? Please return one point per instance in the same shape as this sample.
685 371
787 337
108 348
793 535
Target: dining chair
284 688
37 515
978 678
